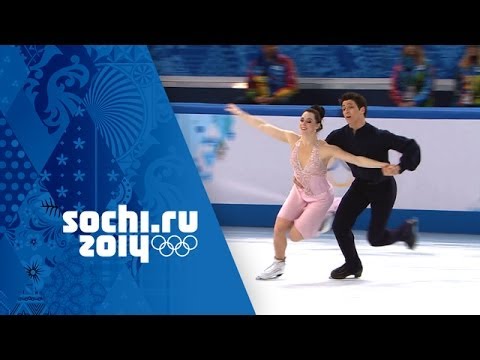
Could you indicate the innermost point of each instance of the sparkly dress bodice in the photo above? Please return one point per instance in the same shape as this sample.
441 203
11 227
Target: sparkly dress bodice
314 175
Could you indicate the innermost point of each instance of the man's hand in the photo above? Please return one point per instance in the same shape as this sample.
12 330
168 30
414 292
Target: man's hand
298 183
391 170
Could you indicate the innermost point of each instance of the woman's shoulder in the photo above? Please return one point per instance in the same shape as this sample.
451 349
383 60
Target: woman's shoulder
292 136
321 143
324 147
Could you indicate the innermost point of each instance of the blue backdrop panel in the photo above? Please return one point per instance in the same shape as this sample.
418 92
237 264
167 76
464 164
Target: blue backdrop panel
90 128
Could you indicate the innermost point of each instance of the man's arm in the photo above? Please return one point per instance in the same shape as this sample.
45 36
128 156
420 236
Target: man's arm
410 150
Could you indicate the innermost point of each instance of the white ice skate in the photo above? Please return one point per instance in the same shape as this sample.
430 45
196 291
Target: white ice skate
327 223
273 271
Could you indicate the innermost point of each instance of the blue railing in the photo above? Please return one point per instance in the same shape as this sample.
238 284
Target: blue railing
335 111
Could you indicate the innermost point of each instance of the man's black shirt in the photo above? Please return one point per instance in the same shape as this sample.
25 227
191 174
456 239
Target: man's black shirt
374 143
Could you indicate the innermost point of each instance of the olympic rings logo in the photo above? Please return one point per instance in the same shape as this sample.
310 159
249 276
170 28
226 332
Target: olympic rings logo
175 244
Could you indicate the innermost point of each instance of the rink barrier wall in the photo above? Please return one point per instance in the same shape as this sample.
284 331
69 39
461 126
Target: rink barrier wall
467 221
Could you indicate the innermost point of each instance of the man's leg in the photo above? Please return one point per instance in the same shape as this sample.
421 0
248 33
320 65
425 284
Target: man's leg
382 197
382 200
351 206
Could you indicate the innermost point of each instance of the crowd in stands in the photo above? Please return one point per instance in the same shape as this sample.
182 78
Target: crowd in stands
272 76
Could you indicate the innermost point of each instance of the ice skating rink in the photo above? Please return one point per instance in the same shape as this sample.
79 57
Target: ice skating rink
441 276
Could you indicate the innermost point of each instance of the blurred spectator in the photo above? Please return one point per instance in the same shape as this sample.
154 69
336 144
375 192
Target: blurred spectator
272 78
412 78
467 86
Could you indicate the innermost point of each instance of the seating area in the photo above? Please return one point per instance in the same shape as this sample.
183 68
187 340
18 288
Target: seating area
211 73
321 61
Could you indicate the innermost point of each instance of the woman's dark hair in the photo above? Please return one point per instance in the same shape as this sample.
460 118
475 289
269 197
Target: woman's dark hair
319 112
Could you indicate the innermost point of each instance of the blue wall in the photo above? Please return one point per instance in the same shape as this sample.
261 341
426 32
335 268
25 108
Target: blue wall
333 61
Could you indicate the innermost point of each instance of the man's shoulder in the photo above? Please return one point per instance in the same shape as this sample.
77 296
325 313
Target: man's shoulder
339 130
373 128
335 134
381 132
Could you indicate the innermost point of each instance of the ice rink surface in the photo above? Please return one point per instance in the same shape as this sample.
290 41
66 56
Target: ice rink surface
441 276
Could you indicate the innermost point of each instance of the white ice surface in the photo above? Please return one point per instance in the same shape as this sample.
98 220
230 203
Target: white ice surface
441 276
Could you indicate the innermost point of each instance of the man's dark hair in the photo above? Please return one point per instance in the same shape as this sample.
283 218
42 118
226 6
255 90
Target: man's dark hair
357 98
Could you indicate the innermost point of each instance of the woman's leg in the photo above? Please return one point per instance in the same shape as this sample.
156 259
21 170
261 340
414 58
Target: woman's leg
306 226
282 226
290 210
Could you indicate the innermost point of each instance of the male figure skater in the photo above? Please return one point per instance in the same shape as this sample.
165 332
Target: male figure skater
375 187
